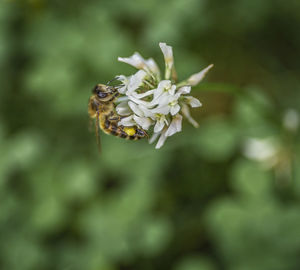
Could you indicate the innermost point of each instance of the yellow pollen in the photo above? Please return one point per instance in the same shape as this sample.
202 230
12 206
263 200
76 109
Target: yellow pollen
129 131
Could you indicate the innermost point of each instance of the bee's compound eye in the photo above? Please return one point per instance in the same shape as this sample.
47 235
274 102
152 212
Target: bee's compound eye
102 94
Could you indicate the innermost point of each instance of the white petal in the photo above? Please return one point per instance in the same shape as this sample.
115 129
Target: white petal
196 78
161 139
157 92
136 80
154 137
163 90
175 125
136 60
163 100
162 86
138 101
166 50
123 108
121 99
165 84
142 95
152 66
125 81
143 122
140 110
175 109
135 108
186 112
184 90
193 102
169 60
122 90
122 78
159 126
162 110
147 112
127 121
160 100
172 89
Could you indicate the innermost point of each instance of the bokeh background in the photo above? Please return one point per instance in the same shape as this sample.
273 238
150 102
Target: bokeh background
223 196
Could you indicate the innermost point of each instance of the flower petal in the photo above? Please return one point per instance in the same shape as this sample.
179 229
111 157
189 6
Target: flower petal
196 78
162 86
135 108
186 112
143 122
138 101
193 102
136 60
127 121
175 125
140 110
162 110
161 139
172 89
125 81
123 108
154 137
151 64
136 80
142 95
169 60
184 90
159 126
175 109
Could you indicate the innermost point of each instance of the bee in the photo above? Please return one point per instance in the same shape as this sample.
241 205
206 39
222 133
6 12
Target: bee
102 108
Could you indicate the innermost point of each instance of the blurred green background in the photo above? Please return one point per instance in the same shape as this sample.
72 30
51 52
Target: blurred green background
224 196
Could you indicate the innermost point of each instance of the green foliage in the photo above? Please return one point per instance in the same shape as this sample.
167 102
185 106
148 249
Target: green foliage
199 202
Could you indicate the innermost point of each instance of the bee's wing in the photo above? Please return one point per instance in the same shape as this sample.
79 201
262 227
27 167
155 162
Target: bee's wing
97 132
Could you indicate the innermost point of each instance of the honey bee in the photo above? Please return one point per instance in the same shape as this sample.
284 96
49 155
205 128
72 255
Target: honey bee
101 107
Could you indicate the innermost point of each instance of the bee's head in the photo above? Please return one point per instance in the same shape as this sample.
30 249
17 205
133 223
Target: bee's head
103 92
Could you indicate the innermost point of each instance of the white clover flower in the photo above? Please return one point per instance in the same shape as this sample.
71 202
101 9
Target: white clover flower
154 104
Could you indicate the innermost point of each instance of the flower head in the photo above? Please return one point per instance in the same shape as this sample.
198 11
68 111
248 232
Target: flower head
149 102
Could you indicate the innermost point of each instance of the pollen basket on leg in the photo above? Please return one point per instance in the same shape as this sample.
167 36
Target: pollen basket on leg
129 130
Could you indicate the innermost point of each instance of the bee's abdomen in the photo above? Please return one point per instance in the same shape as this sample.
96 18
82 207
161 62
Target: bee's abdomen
112 128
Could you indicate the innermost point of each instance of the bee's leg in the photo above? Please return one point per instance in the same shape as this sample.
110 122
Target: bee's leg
114 117
97 132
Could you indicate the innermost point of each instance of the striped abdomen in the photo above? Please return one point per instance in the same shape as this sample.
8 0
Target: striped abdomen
129 133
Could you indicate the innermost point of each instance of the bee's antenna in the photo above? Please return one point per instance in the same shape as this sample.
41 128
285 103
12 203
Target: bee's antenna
114 79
